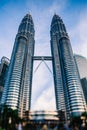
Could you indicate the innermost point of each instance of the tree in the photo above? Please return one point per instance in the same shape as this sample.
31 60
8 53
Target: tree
9 114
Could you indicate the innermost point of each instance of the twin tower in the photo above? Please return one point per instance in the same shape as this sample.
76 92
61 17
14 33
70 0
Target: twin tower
68 91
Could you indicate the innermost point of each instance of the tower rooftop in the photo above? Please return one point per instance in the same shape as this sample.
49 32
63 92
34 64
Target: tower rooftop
56 17
28 16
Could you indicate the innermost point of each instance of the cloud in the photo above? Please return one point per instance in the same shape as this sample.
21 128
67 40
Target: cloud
43 96
79 35
57 6
46 101
8 29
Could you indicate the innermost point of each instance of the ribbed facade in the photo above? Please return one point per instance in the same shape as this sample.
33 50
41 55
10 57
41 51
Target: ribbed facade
17 92
68 90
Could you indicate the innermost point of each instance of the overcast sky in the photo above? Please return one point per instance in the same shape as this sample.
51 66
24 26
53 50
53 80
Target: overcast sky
74 15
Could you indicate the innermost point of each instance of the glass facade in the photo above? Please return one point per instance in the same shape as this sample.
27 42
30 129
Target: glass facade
84 87
17 91
68 90
81 63
4 65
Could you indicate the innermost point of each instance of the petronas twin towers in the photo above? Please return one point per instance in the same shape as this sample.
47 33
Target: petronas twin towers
18 86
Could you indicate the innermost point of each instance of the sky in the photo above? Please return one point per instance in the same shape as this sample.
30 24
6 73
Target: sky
74 15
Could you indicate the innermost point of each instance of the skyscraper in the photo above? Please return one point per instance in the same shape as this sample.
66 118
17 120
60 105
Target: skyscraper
17 91
81 63
3 73
68 90
84 87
